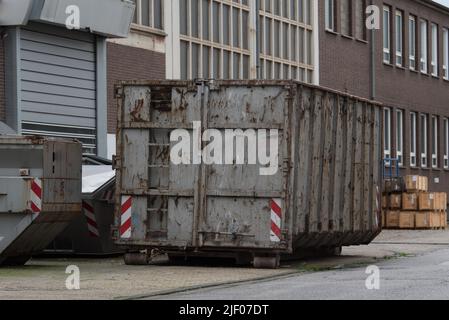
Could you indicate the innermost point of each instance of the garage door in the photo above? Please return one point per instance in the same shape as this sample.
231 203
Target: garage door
58 87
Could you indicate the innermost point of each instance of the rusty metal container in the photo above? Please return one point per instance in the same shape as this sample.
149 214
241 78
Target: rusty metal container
40 193
325 193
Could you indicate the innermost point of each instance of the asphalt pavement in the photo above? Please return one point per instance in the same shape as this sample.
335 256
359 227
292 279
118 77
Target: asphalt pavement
422 277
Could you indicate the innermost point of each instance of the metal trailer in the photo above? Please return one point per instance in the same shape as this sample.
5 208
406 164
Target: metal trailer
324 195
40 193
90 234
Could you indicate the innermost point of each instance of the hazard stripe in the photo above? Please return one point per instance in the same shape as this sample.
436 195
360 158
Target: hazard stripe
36 189
125 226
276 208
127 205
276 229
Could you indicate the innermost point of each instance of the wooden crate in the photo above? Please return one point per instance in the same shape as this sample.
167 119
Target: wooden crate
410 201
416 183
392 218
407 220
422 220
435 220
393 185
395 201
443 217
426 201
440 201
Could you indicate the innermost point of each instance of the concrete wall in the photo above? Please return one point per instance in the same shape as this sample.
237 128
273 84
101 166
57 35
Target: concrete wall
130 63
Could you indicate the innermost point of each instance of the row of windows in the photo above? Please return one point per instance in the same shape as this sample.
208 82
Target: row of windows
285 37
215 39
346 11
419 42
420 131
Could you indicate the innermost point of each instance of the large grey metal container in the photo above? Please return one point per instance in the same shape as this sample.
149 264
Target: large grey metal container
325 193
40 193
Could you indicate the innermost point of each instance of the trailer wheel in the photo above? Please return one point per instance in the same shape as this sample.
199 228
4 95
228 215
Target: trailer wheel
16 261
267 262
136 259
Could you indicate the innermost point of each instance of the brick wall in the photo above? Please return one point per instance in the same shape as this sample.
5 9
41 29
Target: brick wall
2 81
345 66
129 63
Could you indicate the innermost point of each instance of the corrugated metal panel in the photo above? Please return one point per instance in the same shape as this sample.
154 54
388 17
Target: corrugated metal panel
326 185
58 83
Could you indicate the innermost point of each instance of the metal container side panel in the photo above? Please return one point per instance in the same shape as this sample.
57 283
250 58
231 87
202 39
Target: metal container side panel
338 169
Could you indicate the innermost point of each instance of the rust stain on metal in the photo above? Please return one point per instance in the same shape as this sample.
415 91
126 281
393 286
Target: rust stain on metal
135 113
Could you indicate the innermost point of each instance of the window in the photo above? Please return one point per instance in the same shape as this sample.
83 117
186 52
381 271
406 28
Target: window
400 137
214 39
346 17
286 40
413 139
446 53
412 42
387 34
423 65
360 29
330 15
423 143
399 38
446 143
149 13
387 133
434 62
434 142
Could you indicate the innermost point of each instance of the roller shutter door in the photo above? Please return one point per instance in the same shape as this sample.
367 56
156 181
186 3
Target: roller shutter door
58 83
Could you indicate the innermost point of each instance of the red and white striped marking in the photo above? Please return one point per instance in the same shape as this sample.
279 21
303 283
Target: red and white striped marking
36 196
276 220
89 213
125 219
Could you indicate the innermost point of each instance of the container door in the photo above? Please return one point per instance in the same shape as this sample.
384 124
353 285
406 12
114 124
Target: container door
158 197
244 201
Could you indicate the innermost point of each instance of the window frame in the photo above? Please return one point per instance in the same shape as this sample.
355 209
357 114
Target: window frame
412 42
413 141
424 136
446 143
446 53
434 47
137 19
387 132
424 58
435 142
399 36
400 136
386 34
330 16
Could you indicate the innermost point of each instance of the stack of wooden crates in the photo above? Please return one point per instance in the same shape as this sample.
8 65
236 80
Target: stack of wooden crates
412 206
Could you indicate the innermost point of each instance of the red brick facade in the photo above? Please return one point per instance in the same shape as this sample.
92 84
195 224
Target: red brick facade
2 81
345 65
129 63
